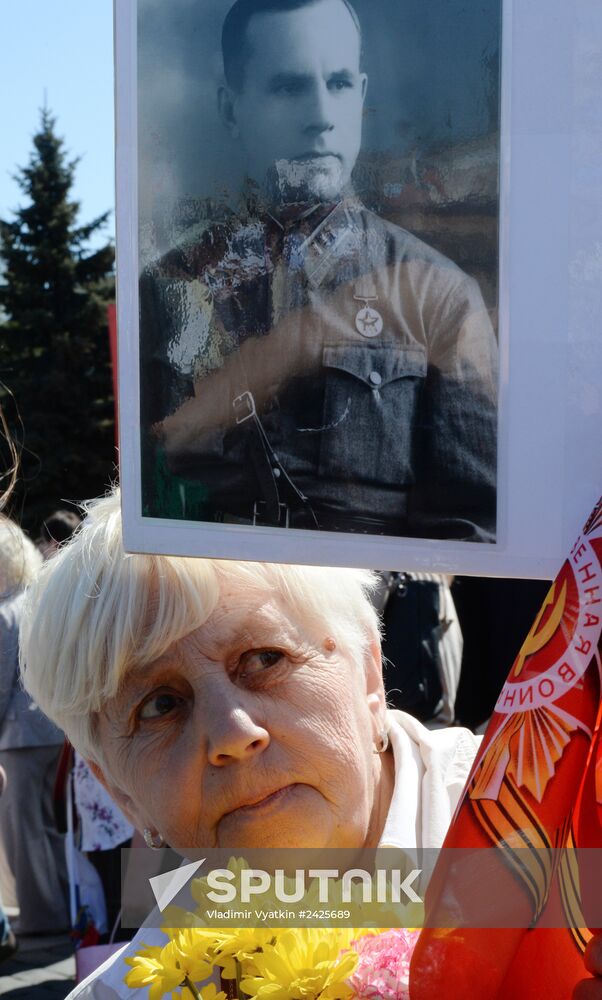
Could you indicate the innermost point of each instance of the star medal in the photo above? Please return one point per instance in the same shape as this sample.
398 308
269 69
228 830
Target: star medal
368 322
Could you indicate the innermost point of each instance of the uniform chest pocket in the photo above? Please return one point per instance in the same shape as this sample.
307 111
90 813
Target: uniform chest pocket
371 396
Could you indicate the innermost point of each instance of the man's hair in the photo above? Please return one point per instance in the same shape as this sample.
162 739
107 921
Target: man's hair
59 526
95 612
235 46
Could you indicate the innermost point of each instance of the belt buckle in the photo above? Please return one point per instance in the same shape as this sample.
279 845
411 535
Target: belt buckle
282 507
245 399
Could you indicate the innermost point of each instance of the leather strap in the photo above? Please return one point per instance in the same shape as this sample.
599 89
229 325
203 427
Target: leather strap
275 484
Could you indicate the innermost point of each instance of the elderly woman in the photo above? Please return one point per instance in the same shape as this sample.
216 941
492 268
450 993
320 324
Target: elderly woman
229 704
232 704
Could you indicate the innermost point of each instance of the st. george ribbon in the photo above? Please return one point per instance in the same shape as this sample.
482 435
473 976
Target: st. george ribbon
535 788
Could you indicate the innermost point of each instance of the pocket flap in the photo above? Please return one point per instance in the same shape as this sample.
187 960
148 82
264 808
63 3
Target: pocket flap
376 366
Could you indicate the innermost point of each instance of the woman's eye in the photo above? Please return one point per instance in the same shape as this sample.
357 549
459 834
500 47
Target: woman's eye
159 705
257 660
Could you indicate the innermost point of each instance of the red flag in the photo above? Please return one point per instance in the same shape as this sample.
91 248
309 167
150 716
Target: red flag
536 785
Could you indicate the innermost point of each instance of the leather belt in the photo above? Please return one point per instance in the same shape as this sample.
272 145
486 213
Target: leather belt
274 481
360 524
312 519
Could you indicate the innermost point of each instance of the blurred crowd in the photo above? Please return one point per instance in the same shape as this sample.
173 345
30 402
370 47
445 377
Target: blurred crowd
60 833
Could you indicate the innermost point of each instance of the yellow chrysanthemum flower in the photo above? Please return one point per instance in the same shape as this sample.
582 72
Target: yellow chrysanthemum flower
186 952
183 994
302 965
164 969
149 970
241 944
205 940
210 992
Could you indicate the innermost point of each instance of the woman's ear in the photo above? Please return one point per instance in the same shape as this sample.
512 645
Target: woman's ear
375 690
119 797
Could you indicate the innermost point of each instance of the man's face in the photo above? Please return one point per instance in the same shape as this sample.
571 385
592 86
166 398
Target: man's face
299 115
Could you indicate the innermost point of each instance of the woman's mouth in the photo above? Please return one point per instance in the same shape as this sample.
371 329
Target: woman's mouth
265 802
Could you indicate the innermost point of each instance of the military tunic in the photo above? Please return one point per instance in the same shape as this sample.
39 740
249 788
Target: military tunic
332 371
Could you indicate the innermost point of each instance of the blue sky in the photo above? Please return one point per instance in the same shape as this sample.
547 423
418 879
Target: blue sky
64 49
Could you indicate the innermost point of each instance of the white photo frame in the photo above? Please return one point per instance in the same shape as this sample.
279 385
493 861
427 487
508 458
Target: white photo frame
550 263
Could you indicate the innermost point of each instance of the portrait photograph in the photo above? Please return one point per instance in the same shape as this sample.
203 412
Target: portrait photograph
318 206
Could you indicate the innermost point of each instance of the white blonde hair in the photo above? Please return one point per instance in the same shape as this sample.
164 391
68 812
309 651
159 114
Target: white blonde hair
95 612
19 558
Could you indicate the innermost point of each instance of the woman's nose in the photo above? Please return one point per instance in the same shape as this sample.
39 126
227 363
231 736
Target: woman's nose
234 735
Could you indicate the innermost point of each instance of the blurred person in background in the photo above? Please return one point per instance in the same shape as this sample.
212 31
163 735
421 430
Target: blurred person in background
30 746
8 941
8 476
56 529
102 830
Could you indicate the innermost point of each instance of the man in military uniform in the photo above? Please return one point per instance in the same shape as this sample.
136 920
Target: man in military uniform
309 363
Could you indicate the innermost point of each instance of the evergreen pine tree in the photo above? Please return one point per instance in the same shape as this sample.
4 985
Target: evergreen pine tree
54 347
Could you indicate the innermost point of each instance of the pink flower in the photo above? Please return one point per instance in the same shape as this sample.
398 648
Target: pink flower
383 970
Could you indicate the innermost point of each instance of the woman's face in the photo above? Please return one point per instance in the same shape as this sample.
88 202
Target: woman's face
250 732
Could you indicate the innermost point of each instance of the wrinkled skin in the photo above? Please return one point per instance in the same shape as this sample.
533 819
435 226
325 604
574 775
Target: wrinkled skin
250 704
